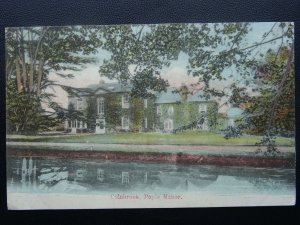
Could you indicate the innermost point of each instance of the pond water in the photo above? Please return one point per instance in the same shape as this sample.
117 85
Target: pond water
82 176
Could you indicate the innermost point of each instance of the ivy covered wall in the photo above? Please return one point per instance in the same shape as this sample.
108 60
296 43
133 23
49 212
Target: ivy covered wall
182 114
136 113
113 111
212 115
185 113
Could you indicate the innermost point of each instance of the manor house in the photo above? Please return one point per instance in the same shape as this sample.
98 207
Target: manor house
115 110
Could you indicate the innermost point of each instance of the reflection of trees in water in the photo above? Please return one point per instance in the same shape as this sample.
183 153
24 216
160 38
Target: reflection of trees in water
269 181
186 176
51 172
22 172
107 175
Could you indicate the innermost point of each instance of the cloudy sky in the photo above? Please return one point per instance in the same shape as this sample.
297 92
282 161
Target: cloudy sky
176 74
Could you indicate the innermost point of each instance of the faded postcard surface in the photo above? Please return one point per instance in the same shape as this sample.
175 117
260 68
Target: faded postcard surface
150 116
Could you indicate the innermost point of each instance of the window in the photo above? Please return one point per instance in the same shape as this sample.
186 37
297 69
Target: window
202 108
158 110
125 122
79 103
168 124
145 103
125 101
146 122
170 110
101 106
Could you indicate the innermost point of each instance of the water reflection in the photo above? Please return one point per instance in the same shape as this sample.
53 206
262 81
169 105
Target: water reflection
82 176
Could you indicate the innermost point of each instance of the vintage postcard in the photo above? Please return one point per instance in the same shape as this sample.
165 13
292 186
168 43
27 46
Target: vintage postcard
150 116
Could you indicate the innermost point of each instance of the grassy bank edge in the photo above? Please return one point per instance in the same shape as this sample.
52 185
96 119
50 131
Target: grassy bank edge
187 138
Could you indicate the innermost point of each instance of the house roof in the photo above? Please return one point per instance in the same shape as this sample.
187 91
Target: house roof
197 97
171 96
234 112
168 97
110 87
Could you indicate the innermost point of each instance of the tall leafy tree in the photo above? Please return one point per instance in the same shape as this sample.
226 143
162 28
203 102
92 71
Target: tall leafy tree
33 53
146 49
273 110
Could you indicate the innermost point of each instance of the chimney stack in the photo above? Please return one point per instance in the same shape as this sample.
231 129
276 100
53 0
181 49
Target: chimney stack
184 91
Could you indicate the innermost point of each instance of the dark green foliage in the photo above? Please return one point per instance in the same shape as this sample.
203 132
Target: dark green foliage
73 114
136 113
112 111
238 96
212 115
233 132
24 113
150 113
149 48
91 112
274 109
32 53
268 141
186 115
144 81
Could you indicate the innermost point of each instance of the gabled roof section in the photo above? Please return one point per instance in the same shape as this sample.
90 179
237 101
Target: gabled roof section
78 92
197 97
110 87
171 96
168 97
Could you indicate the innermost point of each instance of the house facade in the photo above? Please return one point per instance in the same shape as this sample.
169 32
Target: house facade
115 110
174 111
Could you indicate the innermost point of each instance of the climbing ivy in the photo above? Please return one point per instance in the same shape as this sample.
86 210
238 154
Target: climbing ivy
136 113
212 115
112 106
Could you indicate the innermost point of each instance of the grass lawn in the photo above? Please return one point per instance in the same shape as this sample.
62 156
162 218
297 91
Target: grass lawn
185 138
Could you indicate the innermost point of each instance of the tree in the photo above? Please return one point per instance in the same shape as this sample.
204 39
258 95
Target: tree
24 114
212 48
273 111
212 115
73 114
139 53
147 48
33 53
